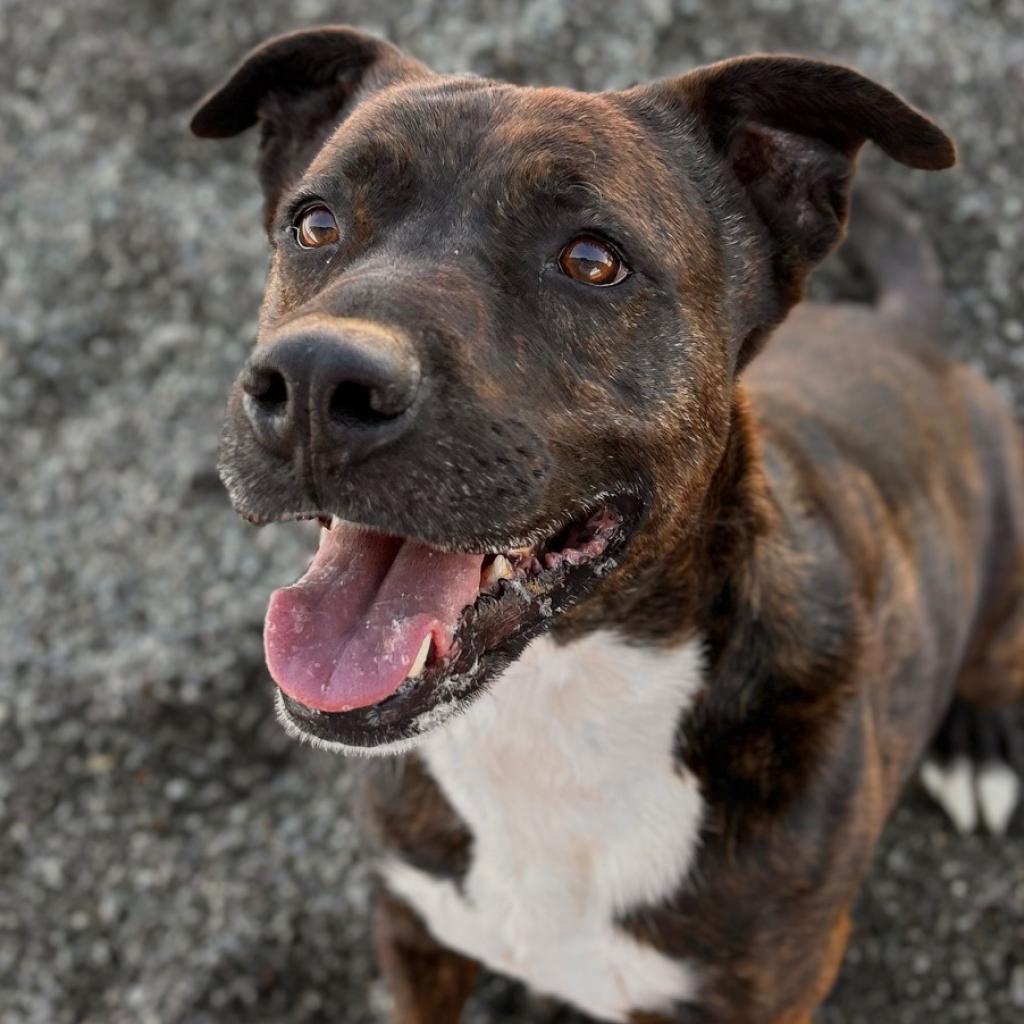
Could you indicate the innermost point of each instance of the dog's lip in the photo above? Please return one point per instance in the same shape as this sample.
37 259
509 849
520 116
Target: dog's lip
517 544
486 545
490 632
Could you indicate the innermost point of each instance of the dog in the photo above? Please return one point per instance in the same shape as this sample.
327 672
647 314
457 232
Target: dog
653 632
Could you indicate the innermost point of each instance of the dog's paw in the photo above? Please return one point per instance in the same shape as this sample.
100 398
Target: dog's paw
974 769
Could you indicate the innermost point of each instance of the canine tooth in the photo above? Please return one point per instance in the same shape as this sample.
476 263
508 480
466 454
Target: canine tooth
499 569
416 670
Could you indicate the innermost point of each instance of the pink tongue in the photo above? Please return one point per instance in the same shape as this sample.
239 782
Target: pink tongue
346 635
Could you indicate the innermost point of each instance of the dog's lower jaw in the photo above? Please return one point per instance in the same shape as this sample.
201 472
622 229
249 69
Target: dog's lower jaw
396 748
470 615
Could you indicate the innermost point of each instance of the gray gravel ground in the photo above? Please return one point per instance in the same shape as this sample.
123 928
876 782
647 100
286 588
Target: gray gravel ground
166 855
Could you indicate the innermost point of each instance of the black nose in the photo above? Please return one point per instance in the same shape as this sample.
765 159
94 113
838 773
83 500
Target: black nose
350 389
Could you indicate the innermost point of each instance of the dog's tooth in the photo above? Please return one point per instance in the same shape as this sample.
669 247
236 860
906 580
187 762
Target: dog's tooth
499 569
416 670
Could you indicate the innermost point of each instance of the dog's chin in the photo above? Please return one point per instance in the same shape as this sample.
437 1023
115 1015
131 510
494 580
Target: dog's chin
522 593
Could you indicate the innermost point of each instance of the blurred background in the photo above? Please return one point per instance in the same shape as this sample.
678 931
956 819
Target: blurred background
166 854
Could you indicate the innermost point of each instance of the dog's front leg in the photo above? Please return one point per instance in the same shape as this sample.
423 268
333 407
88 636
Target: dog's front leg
428 983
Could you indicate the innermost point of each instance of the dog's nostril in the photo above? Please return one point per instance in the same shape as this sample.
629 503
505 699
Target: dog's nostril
340 392
268 389
352 403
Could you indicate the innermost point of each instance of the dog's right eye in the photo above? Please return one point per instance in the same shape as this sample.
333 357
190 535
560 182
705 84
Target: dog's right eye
591 261
316 227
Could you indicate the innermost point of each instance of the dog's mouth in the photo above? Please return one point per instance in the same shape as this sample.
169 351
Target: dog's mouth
385 637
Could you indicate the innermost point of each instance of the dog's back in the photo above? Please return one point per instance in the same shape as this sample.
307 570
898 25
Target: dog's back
916 464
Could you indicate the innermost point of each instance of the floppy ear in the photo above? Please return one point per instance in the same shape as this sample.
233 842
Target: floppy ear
299 86
790 130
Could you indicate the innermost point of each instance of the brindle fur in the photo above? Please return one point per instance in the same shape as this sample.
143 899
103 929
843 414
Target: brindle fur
428 984
844 523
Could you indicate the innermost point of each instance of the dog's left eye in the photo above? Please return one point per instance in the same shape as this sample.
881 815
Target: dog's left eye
316 227
590 261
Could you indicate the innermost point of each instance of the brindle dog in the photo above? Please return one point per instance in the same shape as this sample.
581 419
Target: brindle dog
508 332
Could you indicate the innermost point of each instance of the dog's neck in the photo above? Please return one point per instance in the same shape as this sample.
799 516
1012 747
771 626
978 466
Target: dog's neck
723 546
775 599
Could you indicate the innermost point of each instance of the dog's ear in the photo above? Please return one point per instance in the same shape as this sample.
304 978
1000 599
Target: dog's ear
299 86
790 130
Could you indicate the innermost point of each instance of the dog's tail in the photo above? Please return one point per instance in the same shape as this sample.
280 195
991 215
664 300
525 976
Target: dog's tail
893 248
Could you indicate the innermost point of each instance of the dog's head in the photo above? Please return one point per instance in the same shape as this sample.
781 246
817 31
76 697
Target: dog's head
499 340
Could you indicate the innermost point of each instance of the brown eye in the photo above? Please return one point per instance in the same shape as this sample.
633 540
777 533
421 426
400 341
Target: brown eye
592 261
316 227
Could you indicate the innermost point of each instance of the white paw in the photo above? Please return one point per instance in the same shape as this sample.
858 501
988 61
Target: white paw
998 795
970 793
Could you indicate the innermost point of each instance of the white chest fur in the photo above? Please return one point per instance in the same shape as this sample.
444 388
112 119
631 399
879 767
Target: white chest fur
564 775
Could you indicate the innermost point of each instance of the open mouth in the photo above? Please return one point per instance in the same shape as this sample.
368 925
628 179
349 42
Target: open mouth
385 637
